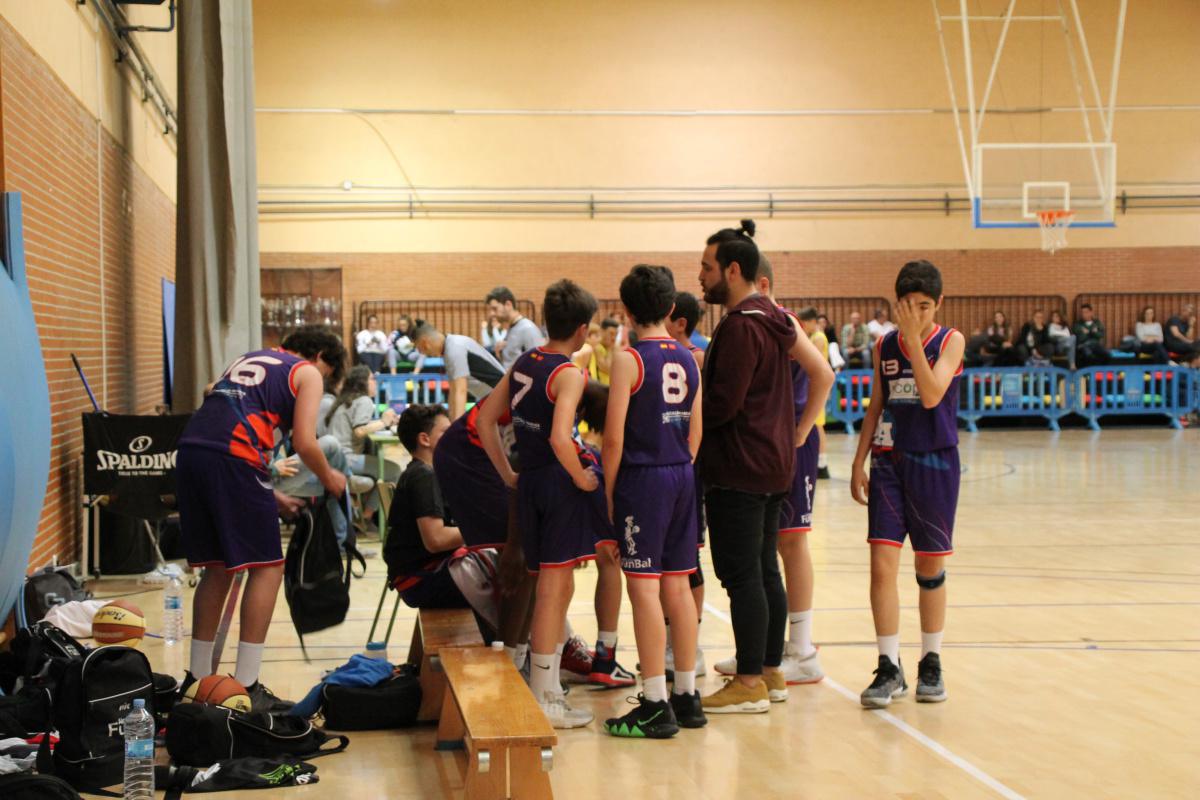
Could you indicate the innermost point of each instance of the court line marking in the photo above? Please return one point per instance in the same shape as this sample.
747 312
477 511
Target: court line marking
902 726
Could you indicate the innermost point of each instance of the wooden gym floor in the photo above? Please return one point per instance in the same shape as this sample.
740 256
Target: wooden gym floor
1071 652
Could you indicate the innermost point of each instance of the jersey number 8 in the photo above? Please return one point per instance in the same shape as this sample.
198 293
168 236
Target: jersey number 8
674 383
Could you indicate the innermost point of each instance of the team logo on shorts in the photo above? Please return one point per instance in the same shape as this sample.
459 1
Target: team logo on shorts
630 531
808 491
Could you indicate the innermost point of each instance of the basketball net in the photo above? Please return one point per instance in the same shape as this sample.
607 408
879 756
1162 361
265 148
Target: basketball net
1054 226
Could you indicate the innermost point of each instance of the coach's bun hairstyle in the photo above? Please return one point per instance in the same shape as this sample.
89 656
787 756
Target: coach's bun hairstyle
737 245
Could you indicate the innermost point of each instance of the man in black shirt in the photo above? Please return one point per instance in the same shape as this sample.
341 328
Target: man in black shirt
1181 338
424 552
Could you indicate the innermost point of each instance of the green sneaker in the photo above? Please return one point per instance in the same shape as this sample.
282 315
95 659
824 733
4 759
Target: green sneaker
652 719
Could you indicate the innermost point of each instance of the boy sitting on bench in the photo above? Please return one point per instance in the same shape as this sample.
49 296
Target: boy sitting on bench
425 557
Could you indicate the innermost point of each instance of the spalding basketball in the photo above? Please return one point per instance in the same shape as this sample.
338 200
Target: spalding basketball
119 622
218 690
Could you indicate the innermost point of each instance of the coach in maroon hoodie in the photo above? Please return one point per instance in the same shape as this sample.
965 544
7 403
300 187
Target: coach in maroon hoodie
746 461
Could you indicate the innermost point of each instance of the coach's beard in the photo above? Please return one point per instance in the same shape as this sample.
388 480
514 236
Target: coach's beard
718 294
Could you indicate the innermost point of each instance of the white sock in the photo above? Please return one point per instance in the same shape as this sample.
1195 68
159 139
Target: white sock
822 460
800 631
607 638
518 654
931 643
201 659
655 688
890 646
557 669
567 629
543 678
249 663
685 682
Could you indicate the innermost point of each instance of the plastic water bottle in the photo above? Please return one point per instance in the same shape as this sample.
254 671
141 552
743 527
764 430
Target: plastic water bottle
173 611
139 753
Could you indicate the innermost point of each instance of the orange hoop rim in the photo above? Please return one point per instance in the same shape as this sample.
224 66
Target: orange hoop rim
1055 217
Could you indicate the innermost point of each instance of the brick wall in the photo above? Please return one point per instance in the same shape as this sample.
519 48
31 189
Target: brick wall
388 276
99 237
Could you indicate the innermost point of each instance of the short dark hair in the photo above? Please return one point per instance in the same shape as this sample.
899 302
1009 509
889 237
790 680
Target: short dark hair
423 330
765 270
687 307
311 341
737 244
567 305
501 294
1088 306
919 276
593 405
609 322
648 292
415 420
808 313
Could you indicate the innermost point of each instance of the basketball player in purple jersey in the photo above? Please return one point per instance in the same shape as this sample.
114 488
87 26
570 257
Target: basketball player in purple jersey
652 434
913 485
810 389
681 324
227 510
557 516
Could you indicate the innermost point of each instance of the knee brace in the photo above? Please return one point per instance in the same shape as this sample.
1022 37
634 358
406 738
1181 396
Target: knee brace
696 578
932 583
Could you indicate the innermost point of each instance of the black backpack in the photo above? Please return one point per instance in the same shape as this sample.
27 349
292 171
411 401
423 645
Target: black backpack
392 703
316 580
200 735
24 786
46 589
91 700
42 652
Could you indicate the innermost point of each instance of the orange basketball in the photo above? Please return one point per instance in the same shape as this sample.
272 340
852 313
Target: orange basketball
119 622
218 690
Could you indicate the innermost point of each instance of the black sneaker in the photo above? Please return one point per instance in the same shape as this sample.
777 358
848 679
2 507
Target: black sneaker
263 699
888 684
822 473
930 688
188 680
652 719
689 713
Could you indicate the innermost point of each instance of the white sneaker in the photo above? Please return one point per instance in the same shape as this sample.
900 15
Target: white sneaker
727 667
797 670
361 484
561 715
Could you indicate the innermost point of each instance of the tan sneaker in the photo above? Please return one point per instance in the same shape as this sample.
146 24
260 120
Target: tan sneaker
736 697
777 691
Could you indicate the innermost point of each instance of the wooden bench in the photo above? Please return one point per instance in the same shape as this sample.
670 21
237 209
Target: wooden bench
436 629
491 711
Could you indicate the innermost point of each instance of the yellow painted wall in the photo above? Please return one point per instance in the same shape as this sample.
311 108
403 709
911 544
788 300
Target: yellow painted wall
70 38
656 54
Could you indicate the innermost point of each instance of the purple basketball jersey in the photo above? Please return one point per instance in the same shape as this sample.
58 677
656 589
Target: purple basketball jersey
260 389
660 407
799 380
915 428
533 405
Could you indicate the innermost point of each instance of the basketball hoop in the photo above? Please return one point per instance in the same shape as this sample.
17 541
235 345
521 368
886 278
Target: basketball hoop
1054 226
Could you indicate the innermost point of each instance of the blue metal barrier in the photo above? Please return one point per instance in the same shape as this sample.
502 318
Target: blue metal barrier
398 391
1153 389
1015 392
850 397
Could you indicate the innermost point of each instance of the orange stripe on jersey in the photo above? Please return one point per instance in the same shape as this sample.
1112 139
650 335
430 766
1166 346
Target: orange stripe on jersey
942 349
554 374
292 376
641 368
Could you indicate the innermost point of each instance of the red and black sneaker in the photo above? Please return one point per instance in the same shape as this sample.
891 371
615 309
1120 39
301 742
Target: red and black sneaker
576 665
607 672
